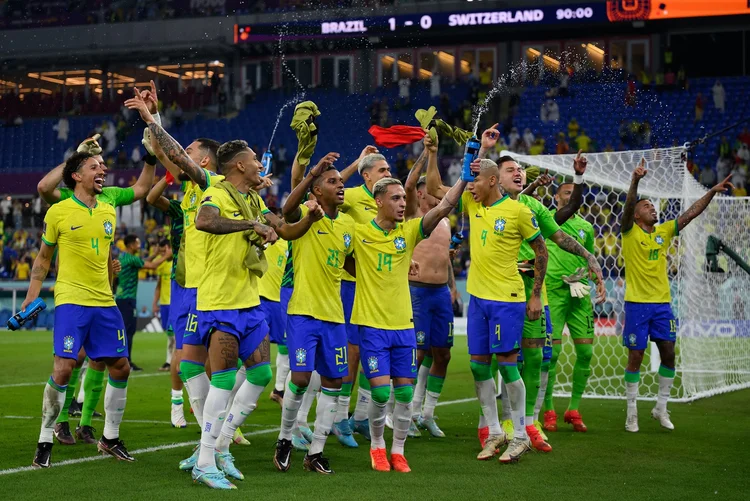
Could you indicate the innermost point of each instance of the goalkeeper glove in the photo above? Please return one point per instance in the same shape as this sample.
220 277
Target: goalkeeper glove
577 288
90 146
146 141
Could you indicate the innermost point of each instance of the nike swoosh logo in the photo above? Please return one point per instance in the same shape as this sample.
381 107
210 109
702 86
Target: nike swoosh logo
120 350
73 228
237 214
477 215
245 413
364 241
284 464
368 208
322 232
342 369
495 346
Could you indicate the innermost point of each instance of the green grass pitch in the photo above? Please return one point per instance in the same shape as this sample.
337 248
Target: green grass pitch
706 457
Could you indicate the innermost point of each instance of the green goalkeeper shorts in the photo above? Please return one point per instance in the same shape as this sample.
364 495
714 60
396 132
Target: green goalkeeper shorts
533 329
578 313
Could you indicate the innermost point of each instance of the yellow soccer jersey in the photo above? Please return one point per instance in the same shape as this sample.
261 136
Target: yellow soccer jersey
164 271
360 205
383 259
269 285
645 256
193 249
226 284
495 238
318 258
83 237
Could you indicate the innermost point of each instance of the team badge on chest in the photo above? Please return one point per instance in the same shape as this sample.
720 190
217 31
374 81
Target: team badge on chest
500 224
347 240
108 228
659 239
400 244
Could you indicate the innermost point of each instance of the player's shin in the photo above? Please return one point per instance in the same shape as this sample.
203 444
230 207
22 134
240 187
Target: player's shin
245 401
52 404
532 370
486 391
325 413
543 380
552 377
197 385
93 385
420 386
69 394
214 412
517 396
666 380
581 373
434 389
342 407
239 380
289 409
115 398
504 401
308 399
401 416
632 380
282 367
364 395
376 415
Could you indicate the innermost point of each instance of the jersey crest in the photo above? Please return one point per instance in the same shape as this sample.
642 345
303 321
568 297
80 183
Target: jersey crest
347 240
301 356
420 337
372 364
108 228
400 244
68 344
534 222
500 224
659 239
581 233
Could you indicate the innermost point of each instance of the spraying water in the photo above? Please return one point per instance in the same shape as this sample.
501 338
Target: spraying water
298 97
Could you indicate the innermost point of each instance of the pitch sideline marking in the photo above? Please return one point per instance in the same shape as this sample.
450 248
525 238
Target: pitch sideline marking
18 385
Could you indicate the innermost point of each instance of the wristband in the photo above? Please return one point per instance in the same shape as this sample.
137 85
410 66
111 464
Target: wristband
150 159
578 179
157 118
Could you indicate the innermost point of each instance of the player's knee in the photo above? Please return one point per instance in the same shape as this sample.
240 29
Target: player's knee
381 394
62 374
533 356
441 356
584 353
189 369
260 375
225 379
556 350
404 393
480 371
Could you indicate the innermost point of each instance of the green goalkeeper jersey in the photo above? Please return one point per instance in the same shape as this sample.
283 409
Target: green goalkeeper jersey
544 219
564 263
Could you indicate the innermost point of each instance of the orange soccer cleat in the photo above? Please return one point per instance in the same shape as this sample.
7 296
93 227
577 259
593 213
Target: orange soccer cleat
399 463
483 434
550 421
536 439
379 460
574 418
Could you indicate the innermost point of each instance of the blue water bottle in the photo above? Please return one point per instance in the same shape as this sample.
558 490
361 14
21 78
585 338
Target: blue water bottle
456 240
266 162
470 154
16 321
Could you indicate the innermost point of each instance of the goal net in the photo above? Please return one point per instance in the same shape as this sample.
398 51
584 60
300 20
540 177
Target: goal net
712 307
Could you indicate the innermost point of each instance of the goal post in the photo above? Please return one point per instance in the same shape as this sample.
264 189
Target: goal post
712 307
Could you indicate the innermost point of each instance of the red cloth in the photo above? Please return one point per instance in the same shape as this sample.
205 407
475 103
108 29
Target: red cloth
398 135
169 178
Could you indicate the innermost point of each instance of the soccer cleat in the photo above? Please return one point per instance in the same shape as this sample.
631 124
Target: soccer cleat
75 409
663 418
550 420
225 462
317 463
239 439
164 368
539 428
282 458
399 463
277 396
189 463
536 439
42 455
413 431
86 434
212 478
389 421
516 448
299 443
379 460
361 427
574 418
507 427
63 435
431 426
178 416
631 423
343 432
115 448
483 434
134 367
307 433
492 446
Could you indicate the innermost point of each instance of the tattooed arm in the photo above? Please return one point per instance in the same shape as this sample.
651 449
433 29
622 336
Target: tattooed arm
699 206
39 272
177 155
210 221
569 244
534 304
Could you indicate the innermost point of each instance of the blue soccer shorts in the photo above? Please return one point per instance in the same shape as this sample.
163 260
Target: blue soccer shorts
494 326
248 325
388 352
347 299
433 316
648 320
179 311
317 345
275 320
100 330
164 314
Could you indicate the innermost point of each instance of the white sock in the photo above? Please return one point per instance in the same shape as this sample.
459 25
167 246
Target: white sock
419 390
177 395
308 399
482 420
81 375
114 408
401 422
289 411
391 403
245 402
631 393
541 395
517 395
282 369
213 420
665 388
430 401
197 390
362 409
376 415
53 401
325 413
486 394
240 379
170 348
504 401
342 408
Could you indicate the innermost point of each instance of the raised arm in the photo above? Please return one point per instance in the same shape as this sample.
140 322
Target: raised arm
293 231
156 198
152 265
434 183
534 305
145 181
291 210
576 198
543 180
628 212
412 202
39 272
47 187
298 172
569 244
446 205
352 169
698 207
489 140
